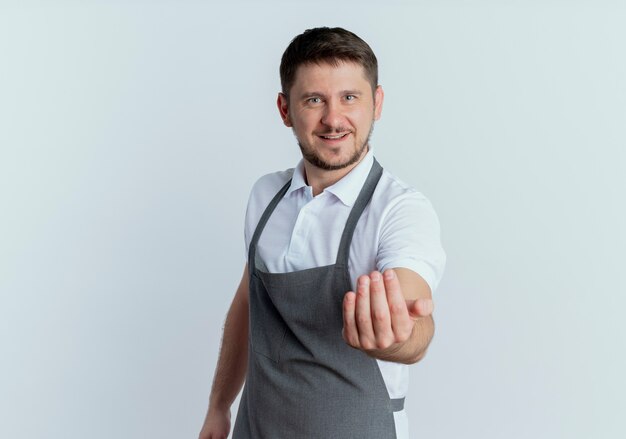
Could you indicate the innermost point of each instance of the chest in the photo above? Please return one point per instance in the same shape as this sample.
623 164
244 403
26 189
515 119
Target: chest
305 232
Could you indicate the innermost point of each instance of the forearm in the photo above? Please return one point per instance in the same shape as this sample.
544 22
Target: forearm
413 349
233 359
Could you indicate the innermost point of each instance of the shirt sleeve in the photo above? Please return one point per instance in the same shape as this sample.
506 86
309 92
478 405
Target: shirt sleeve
254 209
410 238
261 194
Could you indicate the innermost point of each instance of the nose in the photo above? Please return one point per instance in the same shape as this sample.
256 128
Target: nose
332 116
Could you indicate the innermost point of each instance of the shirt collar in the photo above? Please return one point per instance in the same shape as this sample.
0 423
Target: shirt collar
297 179
348 188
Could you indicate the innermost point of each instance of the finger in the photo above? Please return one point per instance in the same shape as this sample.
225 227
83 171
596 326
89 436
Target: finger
420 308
350 333
363 315
401 322
379 309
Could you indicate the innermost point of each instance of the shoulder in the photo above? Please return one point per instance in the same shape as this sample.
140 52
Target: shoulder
267 186
392 193
409 230
260 196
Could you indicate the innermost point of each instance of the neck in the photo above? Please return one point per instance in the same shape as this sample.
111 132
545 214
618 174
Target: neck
319 179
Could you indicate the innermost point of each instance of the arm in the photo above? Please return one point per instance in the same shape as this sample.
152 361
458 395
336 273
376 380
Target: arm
390 316
231 366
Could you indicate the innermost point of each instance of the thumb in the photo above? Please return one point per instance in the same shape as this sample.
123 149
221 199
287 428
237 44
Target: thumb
419 308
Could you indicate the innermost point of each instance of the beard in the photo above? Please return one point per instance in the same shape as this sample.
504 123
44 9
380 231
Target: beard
313 158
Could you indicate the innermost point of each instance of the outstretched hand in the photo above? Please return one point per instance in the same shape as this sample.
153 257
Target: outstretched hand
378 316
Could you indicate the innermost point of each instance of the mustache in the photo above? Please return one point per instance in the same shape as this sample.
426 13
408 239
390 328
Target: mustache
337 130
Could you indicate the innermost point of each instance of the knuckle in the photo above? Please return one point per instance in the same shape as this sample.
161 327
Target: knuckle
378 289
396 308
363 320
363 282
385 342
403 335
401 338
379 315
366 343
348 337
376 278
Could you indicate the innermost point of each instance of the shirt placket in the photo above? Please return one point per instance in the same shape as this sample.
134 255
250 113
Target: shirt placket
299 244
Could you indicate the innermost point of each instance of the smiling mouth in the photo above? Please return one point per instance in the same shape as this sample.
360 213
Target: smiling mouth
335 137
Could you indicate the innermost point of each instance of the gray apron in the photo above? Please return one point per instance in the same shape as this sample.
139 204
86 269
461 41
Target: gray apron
303 380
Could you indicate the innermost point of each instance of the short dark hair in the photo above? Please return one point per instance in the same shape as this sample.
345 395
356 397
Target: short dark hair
326 45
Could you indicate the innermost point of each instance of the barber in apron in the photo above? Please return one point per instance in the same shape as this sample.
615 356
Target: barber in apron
303 380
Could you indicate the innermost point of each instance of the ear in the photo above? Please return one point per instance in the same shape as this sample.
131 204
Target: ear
379 97
283 108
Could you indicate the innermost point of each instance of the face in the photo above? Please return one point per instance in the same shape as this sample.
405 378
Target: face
331 110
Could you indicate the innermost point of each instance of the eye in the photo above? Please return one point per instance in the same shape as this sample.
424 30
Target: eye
350 97
314 100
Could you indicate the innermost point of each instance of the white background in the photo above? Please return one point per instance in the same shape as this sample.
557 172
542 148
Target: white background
131 132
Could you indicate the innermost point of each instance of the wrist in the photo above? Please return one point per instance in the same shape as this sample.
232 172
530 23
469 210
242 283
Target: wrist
219 405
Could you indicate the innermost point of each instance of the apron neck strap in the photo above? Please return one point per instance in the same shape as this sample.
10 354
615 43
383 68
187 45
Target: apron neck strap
357 210
365 195
261 225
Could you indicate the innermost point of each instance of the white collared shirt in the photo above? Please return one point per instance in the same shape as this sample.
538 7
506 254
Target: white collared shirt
399 228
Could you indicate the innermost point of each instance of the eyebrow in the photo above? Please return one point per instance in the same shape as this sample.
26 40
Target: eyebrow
317 93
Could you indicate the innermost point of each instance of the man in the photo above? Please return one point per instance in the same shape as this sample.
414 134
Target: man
335 299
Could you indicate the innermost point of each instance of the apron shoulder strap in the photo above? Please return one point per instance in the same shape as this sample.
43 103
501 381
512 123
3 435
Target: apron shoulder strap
261 225
355 214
